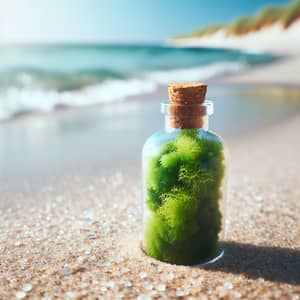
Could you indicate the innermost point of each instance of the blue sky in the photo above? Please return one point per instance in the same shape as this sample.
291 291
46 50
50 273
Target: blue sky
96 21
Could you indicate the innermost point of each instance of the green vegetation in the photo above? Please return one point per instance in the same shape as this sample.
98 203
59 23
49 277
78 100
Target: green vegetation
291 13
183 183
240 26
204 31
285 15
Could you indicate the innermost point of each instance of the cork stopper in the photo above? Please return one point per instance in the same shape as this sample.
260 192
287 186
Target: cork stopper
186 109
187 93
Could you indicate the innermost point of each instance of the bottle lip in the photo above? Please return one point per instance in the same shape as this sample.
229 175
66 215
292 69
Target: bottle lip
204 109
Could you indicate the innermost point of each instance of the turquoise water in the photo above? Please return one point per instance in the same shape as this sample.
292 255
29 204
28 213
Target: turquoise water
43 78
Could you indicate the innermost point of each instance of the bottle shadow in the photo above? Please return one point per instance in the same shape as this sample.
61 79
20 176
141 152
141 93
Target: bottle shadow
270 263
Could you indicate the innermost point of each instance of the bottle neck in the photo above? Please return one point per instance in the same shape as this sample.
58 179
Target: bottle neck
169 124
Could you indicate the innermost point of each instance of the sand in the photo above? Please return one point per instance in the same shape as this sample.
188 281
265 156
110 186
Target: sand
271 39
79 239
283 72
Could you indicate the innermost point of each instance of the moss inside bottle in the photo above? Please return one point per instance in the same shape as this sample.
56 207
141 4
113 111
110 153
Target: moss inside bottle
184 182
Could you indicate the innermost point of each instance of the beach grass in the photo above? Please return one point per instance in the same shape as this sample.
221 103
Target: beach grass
206 30
285 15
291 14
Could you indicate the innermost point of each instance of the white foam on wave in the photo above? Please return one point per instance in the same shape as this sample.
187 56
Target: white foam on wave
26 100
16 101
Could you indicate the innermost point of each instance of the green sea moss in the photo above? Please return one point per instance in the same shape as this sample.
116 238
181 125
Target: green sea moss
183 183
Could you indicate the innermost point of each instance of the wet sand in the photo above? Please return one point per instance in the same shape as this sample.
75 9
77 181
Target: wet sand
38 150
76 234
286 71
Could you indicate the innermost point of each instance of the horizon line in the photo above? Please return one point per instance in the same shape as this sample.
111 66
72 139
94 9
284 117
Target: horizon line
81 43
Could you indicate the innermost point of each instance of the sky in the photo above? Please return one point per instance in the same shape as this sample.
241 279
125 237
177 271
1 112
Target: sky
96 21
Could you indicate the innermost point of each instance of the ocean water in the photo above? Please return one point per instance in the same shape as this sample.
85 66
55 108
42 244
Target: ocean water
45 78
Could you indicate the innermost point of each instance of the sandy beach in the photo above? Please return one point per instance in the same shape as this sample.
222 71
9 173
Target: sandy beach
71 197
271 74
81 91
75 235
271 39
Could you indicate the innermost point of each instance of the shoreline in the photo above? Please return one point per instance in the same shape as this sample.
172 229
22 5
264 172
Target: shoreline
284 72
43 149
271 39
244 79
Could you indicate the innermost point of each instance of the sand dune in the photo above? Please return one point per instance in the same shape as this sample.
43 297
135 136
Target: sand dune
273 39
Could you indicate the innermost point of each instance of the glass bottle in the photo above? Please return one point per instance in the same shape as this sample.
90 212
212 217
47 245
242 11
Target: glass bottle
184 186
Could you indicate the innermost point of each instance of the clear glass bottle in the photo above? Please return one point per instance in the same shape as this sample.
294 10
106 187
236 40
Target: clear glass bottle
184 188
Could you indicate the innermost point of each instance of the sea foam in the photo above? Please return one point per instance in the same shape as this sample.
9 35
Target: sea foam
28 99
44 78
